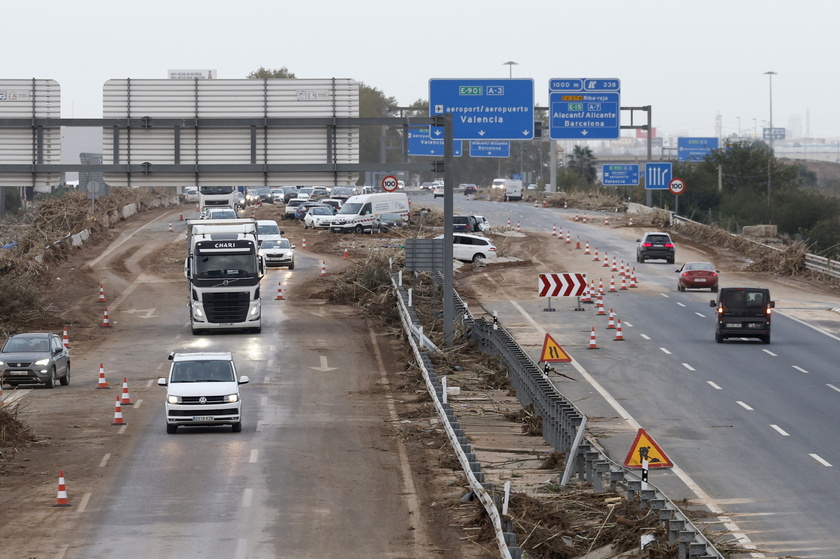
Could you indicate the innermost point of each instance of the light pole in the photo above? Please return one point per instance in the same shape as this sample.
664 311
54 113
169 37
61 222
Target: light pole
510 64
770 75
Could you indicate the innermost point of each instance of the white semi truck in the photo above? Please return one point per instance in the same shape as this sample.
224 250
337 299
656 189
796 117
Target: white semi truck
223 269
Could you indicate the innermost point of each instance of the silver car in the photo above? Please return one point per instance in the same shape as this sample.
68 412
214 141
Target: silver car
278 253
38 358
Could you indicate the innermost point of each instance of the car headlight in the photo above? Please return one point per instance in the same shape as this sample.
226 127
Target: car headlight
173 399
232 398
42 362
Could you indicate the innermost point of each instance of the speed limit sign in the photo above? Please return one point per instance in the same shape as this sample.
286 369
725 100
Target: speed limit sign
676 186
389 183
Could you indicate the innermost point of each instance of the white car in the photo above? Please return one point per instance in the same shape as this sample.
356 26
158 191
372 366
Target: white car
318 217
438 191
483 224
279 252
220 213
470 248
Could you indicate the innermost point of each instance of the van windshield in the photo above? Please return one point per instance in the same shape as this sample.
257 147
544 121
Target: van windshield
351 208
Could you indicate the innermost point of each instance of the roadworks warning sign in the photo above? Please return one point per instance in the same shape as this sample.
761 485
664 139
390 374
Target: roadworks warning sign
645 448
552 352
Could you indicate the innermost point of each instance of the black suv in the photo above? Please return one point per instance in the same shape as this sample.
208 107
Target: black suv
743 312
655 246
465 224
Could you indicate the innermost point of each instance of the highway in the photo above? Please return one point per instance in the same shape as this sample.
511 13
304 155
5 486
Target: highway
750 427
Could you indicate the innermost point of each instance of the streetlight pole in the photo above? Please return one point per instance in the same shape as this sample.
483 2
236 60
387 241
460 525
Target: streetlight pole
510 64
770 75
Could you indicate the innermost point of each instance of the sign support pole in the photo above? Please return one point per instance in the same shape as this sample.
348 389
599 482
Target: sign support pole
448 225
548 308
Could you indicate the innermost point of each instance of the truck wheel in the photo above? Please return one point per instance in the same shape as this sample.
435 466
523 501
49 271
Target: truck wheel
236 427
171 429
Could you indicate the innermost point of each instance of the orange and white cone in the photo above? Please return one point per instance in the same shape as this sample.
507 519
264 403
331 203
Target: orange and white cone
170 227
518 227
323 268
346 253
614 265
595 259
508 222
618 335
587 296
102 383
601 287
612 284
577 243
586 248
584 218
606 263
105 320
554 230
101 293
593 344
630 222
606 220
61 499
64 339
125 398
303 243
568 238
600 306
180 216
118 418
197 208
623 284
633 280
577 218
279 292
611 321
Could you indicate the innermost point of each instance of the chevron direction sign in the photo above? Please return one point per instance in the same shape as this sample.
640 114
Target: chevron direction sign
562 285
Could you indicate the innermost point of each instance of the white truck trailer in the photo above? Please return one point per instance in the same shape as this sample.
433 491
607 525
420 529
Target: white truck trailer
223 269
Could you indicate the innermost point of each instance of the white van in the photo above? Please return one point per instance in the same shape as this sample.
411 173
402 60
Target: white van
361 213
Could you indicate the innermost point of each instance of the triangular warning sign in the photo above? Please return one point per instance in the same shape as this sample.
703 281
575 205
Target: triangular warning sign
552 352
645 448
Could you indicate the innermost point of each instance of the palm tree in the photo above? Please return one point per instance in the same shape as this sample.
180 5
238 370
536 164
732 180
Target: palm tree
582 161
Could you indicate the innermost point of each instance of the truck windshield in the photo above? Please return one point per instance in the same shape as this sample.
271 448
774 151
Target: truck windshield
225 266
215 189
351 208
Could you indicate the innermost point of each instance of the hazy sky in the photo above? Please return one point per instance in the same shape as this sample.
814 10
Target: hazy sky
690 61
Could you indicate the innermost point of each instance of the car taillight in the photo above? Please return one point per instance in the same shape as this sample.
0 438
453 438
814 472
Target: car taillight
492 248
647 244
669 245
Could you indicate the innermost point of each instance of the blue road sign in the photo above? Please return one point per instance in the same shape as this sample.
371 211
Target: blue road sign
695 149
620 175
657 176
489 148
501 109
422 144
584 109
776 133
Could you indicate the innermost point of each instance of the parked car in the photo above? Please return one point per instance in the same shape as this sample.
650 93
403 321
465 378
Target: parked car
655 246
483 224
470 248
36 358
291 208
302 209
277 194
743 312
697 275
319 193
342 192
318 217
280 252
334 202
465 224
532 186
388 221
289 192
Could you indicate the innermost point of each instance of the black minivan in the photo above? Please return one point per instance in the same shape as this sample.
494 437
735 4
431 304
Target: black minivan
743 312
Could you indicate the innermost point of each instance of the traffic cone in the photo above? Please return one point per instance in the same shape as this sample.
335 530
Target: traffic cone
618 335
303 243
576 216
606 220
170 227
623 284
197 208
346 253
611 321
125 398
577 243
535 204
586 249
554 230
600 306
622 270
61 499
584 218
545 204
102 383
568 238
101 293
508 222
180 216
105 320
601 287
587 296
612 284
595 259
323 268
279 292
630 222
614 265
64 339
606 263
560 233
633 280
592 343
118 418
518 227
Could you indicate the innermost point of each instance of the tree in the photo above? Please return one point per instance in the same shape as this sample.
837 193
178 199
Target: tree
582 161
266 74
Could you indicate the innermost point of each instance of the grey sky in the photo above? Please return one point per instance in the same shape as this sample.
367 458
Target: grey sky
689 60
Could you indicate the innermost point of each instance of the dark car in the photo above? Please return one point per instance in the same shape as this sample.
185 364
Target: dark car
470 189
386 222
743 312
37 358
655 246
465 224
300 211
697 275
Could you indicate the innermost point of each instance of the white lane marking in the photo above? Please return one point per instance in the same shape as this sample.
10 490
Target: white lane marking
681 304
255 454
781 431
270 364
241 551
820 460
266 380
745 406
665 295
665 351
151 381
770 353
263 400
123 428
701 315
137 404
247 497
104 460
831 386
800 369
811 326
645 336
713 385
687 366
86 499
627 324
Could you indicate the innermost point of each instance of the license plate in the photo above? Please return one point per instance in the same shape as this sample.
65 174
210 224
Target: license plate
755 325
203 418
18 373
733 325
700 280
226 324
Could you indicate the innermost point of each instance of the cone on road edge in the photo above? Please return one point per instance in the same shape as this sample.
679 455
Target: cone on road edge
170 227
105 320
303 243
118 418
611 321
323 268
64 339
592 343
618 336
279 292
61 499
101 293
102 383
125 399
346 253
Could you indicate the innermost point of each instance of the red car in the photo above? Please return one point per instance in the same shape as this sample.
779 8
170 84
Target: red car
697 275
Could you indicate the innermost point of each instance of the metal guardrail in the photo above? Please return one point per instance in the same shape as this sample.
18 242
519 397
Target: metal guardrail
561 420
